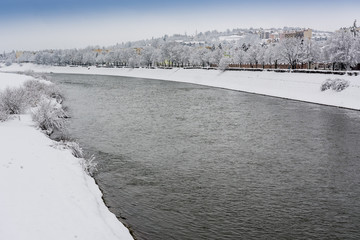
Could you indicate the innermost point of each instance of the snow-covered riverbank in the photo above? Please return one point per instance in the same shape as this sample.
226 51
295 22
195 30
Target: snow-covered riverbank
296 86
45 193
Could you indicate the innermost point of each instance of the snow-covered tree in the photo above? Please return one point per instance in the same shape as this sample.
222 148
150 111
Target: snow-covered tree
156 57
89 57
290 50
170 53
310 52
342 50
77 57
197 57
185 55
239 55
145 56
215 56
355 51
271 54
255 54
224 63
10 58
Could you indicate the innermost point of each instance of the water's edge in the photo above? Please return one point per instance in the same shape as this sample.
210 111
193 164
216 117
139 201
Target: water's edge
303 87
131 230
55 138
224 88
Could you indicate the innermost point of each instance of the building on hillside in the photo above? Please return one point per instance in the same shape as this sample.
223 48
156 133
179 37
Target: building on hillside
320 36
265 34
138 50
18 54
274 36
303 34
99 50
195 43
231 38
190 43
307 34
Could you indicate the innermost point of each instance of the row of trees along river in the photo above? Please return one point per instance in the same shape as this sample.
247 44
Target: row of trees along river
340 51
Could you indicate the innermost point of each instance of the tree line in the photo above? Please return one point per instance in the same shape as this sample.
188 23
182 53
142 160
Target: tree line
340 51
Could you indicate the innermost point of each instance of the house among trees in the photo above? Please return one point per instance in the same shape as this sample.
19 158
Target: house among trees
303 34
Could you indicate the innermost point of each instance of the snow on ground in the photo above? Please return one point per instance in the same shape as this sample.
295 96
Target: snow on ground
297 86
9 80
45 194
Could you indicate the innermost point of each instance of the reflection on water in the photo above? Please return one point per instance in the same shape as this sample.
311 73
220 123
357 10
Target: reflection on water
180 161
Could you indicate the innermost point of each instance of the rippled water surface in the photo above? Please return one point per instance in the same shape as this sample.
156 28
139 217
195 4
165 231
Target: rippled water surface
181 161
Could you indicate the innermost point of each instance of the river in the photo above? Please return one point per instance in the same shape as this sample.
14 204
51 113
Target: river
183 161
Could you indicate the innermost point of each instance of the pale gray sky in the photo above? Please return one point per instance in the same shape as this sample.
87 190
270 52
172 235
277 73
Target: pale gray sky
104 28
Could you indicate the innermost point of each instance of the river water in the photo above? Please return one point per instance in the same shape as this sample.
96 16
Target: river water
182 161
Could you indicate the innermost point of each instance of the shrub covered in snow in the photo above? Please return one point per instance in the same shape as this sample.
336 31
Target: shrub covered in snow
326 85
49 116
3 116
17 100
35 90
54 92
12 101
75 148
340 84
337 85
88 163
224 63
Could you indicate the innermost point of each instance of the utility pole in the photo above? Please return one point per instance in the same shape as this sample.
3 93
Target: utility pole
354 28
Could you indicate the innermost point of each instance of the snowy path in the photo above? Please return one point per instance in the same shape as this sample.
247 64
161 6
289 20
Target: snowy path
45 194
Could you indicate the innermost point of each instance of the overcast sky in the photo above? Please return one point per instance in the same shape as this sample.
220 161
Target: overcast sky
54 24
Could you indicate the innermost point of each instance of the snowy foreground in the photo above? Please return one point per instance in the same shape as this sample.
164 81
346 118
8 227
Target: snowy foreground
45 193
297 86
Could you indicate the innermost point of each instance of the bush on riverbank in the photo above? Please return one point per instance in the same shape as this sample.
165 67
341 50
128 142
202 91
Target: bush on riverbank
88 163
35 90
49 116
337 85
12 101
18 100
3 115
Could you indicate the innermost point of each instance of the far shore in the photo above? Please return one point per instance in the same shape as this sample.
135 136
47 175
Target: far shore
288 85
